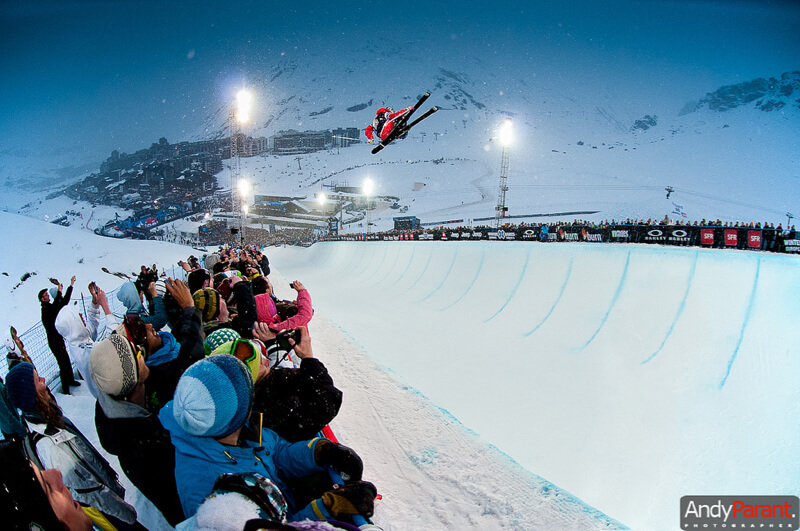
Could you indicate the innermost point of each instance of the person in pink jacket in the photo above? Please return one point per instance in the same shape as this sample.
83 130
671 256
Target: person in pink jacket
285 315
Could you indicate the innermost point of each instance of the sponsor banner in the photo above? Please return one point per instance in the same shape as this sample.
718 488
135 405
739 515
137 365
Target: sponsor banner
707 236
620 235
739 512
754 239
678 236
426 236
792 246
594 235
570 234
528 234
655 235
731 237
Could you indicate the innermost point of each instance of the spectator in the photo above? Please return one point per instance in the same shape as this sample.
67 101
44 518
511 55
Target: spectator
126 420
131 297
32 498
59 444
298 402
54 340
211 405
10 423
81 335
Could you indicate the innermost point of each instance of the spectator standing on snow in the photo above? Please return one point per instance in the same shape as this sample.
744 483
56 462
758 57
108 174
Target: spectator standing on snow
54 340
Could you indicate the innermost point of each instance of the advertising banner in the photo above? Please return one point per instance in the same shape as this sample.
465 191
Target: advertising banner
731 237
707 236
754 239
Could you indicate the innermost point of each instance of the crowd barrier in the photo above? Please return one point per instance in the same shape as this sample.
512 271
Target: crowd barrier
745 238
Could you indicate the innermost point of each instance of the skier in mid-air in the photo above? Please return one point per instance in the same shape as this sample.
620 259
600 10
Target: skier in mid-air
384 122
390 125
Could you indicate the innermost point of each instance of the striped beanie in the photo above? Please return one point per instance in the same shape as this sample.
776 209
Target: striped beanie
214 397
207 301
218 337
20 387
113 366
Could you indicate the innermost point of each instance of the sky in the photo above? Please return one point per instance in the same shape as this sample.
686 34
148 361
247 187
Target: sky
514 385
83 78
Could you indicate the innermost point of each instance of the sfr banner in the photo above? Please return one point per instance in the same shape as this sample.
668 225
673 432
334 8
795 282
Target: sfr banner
707 236
754 239
731 237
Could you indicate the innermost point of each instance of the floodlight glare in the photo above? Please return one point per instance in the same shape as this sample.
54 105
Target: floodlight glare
321 198
506 132
243 102
244 209
244 188
368 186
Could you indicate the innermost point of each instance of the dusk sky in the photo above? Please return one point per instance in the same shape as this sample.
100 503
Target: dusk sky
82 78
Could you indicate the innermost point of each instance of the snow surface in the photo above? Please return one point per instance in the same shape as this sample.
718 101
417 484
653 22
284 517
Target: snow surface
517 386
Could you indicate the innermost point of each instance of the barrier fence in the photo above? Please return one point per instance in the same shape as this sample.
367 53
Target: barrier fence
745 238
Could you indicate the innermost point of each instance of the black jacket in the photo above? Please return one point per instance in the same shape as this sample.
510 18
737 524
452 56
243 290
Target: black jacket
297 403
147 457
50 312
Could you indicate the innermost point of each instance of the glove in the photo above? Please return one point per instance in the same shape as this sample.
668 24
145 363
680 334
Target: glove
356 498
339 457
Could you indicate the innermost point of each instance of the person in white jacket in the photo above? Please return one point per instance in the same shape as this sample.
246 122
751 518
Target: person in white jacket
81 335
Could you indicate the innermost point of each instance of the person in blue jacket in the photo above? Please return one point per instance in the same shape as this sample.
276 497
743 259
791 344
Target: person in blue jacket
212 403
130 296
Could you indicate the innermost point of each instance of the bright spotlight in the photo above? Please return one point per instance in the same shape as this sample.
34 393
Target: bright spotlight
244 188
244 101
321 198
244 209
506 132
368 186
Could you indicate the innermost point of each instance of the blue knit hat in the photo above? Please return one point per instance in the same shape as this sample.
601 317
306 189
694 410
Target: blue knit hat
20 386
214 397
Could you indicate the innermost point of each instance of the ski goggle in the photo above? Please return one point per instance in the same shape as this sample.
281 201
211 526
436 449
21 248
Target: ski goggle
243 350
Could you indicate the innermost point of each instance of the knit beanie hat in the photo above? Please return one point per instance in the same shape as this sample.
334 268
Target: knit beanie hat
218 337
207 301
254 364
23 503
113 366
161 287
211 260
214 397
11 345
20 387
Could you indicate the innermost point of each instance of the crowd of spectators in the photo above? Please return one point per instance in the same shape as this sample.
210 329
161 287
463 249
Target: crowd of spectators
208 393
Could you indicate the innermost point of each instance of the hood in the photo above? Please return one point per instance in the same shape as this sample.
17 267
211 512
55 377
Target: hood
71 327
206 448
265 308
128 295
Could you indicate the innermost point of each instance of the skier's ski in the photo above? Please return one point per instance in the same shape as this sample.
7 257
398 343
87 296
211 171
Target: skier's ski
400 124
401 131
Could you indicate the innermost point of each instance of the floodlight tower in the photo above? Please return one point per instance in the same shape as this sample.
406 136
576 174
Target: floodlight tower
505 137
238 115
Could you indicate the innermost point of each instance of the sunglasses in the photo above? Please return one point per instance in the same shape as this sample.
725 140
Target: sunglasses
135 327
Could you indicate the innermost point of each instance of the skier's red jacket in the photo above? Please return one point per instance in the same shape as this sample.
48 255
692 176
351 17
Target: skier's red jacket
384 122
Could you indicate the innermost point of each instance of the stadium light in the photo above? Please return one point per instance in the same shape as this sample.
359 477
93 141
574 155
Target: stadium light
506 132
368 186
244 101
321 199
244 188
